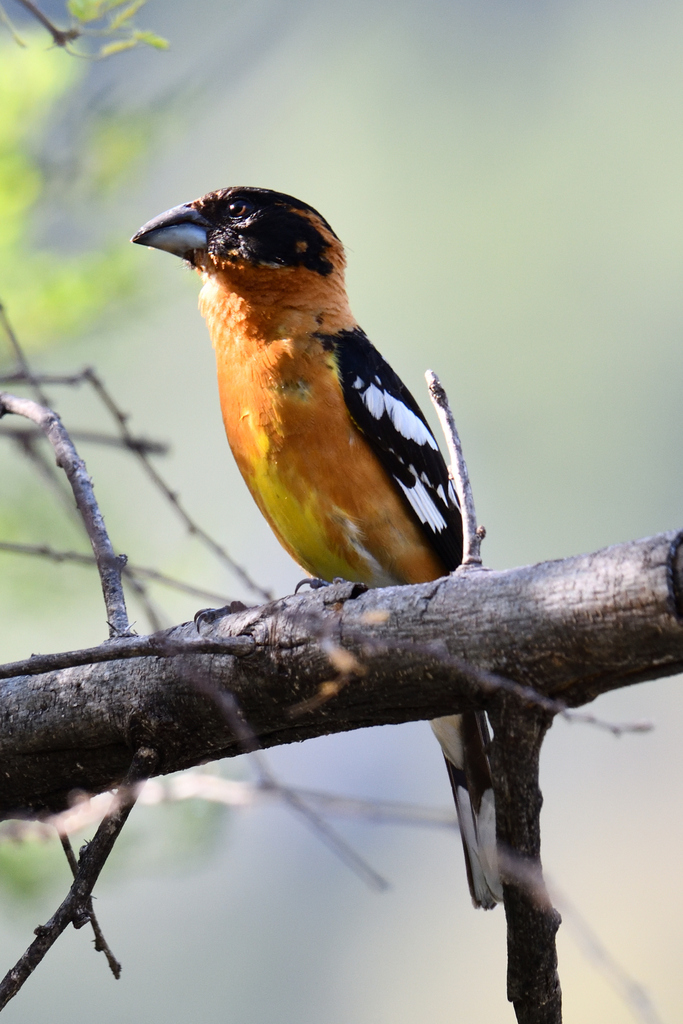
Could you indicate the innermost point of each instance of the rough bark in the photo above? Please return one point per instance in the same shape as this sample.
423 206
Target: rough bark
532 923
516 643
571 629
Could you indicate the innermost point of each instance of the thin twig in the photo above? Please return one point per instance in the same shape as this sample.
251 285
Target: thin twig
26 439
231 711
108 564
92 860
89 376
197 784
157 645
472 535
171 496
101 944
18 351
130 570
5 19
60 37
142 444
26 442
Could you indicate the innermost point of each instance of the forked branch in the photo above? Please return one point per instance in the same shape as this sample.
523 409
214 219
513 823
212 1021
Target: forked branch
75 908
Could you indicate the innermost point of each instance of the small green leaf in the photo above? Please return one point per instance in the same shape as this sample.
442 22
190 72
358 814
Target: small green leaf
85 10
126 14
117 47
151 39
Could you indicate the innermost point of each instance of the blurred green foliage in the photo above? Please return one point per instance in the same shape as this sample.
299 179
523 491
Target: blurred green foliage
49 293
157 839
90 22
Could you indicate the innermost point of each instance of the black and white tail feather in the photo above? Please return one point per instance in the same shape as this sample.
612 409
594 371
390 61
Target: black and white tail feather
463 739
394 426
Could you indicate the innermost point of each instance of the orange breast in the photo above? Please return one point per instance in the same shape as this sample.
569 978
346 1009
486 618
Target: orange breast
322 490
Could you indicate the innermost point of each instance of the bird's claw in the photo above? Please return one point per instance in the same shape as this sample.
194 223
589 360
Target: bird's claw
207 616
313 582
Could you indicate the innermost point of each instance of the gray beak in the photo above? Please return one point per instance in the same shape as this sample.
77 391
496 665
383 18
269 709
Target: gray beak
180 231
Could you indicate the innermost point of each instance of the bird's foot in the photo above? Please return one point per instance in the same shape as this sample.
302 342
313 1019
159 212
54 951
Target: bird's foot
351 589
313 582
207 616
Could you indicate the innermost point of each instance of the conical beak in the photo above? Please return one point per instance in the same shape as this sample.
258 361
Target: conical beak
180 231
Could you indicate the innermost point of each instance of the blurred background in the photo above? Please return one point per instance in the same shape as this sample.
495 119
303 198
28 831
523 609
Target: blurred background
507 180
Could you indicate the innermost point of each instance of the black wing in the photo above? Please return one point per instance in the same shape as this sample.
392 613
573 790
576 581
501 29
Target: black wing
392 423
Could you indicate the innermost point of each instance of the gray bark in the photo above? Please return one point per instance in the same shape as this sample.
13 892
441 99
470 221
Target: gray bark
571 629
521 644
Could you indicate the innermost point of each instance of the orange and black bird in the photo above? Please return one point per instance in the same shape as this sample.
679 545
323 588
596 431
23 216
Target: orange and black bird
333 447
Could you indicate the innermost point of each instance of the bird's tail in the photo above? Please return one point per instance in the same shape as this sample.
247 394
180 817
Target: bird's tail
464 739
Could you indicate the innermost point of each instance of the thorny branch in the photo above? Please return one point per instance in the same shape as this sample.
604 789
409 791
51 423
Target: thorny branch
75 907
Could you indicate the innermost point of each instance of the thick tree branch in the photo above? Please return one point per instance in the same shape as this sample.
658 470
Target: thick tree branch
569 629
533 982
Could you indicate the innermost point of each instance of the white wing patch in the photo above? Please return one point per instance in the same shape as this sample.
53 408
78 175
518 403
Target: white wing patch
422 504
403 418
374 399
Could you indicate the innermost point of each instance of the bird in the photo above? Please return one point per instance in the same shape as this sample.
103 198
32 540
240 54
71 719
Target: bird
334 449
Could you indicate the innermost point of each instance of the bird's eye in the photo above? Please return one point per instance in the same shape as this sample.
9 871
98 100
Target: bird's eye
240 208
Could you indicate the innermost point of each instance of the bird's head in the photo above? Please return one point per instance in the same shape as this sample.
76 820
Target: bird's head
247 227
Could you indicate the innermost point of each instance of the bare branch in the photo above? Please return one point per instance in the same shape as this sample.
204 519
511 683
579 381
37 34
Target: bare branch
92 860
158 645
18 351
60 37
76 557
101 944
564 631
171 496
140 448
108 564
143 444
472 535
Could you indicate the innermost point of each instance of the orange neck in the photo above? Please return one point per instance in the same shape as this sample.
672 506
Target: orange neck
265 304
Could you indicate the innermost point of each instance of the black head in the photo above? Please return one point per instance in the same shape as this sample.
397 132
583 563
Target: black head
254 225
